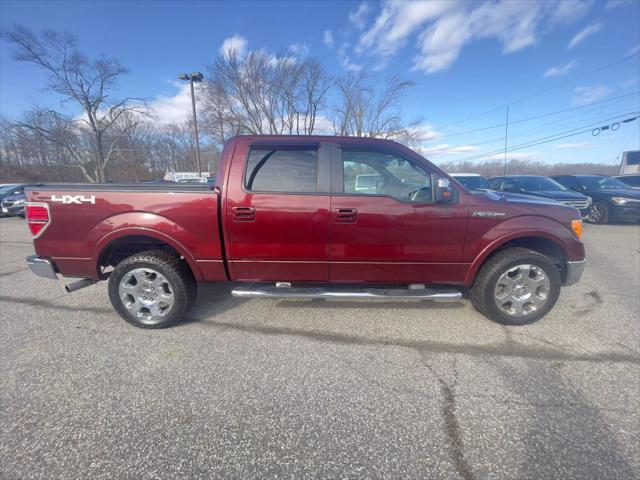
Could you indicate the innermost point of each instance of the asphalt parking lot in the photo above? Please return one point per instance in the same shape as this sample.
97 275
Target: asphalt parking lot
316 389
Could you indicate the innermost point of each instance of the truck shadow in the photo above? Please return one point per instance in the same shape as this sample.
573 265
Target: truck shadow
215 299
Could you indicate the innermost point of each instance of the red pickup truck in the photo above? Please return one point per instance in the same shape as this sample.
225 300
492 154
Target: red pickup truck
309 217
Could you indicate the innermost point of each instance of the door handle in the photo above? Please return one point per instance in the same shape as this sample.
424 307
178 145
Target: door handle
244 214
345 215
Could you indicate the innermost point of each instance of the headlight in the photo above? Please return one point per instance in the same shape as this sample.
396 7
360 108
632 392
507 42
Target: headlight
623 200
18 202
590 200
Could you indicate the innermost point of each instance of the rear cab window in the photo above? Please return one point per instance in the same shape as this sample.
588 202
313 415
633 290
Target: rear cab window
282 169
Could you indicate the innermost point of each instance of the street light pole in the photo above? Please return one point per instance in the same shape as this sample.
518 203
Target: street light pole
194 77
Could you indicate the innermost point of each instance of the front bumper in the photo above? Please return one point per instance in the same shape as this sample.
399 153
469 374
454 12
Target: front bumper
42 267
13 210
574 271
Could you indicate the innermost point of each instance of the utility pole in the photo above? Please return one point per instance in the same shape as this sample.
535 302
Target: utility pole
194 77
506 136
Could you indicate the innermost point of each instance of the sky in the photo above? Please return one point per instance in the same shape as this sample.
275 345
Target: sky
572 65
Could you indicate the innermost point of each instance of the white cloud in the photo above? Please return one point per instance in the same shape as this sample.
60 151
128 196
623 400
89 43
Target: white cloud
446 149
560 70
327 39
611 4
590 93
634 49
574 146
631 82
569 11
345 59
358 17
583 34
236 44
299 50
397 21
444 27
173 109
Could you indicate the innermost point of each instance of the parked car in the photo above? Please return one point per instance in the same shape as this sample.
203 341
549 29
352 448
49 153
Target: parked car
285 220
12 199
613 201
472 181
546 187
632 181
13 206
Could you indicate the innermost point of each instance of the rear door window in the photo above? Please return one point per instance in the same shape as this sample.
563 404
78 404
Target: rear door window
282 170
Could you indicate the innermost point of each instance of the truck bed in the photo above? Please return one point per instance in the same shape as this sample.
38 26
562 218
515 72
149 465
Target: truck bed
85 219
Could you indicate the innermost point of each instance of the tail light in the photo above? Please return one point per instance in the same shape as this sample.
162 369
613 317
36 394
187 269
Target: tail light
38 218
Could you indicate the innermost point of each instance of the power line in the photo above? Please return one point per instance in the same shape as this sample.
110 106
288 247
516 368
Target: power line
527 119
519 134
548 139
540 92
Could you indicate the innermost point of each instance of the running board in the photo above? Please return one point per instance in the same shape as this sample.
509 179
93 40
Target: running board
268 291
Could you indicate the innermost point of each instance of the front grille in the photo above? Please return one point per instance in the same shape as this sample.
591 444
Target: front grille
579 204
7 204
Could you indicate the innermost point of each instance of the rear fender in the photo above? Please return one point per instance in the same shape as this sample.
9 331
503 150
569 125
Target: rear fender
145 224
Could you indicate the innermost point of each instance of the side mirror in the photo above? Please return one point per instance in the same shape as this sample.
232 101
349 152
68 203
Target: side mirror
444 192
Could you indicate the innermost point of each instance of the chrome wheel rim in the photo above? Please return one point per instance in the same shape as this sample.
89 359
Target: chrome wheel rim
147 295
521 290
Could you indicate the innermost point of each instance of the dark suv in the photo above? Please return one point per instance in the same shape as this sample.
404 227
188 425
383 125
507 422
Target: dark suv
540 186
612 199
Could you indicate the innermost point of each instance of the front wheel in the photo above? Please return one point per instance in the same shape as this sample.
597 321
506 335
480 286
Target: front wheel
516 286
152 289
599 213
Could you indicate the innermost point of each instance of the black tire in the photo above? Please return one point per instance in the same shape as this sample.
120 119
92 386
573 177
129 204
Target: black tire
483 290
181 284
599 214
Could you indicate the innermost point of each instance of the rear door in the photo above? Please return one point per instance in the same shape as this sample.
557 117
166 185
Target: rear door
392 231
278 212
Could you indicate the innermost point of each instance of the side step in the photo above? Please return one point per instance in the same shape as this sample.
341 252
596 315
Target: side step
283 290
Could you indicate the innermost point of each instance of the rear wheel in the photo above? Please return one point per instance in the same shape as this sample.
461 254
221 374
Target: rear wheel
599 213
517 286
152 289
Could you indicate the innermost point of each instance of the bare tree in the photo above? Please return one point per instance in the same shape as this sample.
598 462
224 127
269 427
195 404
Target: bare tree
262 93
85 83
363 111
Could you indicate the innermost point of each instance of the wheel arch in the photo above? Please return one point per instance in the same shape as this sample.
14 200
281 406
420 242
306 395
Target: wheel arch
541 242
122 243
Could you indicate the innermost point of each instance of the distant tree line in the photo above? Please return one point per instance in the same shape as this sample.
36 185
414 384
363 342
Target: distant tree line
493 168
111 138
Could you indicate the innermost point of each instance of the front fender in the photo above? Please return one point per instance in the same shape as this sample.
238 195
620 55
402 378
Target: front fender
518 227
145 224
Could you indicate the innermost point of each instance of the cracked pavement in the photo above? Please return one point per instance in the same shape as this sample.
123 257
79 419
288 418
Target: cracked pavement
318 389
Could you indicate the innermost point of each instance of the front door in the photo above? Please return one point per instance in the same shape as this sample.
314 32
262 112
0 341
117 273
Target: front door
278 223
385 224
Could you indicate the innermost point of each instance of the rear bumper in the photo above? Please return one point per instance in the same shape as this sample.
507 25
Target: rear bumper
42 267
574 271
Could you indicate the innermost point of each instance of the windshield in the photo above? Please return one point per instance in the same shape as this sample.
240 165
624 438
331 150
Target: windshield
539 184
473 182
7 189
601 183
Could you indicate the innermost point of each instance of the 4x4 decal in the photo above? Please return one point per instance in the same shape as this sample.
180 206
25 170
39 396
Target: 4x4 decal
78 199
